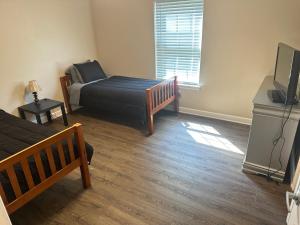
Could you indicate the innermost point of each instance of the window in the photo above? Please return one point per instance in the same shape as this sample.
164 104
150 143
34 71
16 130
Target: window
178 37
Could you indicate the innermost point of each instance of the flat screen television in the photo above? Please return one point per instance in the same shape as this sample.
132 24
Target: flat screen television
286 75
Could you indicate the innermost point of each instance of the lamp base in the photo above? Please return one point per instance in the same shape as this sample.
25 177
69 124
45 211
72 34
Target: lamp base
36 99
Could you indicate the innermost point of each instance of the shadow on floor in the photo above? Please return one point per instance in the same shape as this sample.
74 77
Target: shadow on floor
124 120
51 198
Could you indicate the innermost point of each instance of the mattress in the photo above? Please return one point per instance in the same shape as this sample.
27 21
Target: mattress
118 94
17 134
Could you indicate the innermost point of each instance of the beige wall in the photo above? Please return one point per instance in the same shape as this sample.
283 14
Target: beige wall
239 46
125 39
38 40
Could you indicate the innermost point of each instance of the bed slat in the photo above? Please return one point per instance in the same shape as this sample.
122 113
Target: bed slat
51 160
71 149
167 90
157 99
162 94
39 165
61 155
14 181
159 95
27 173
153 100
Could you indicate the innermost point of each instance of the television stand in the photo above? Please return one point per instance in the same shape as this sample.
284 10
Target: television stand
266 124
276 96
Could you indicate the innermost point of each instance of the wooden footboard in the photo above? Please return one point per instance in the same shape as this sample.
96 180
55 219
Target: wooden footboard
158 97
21 159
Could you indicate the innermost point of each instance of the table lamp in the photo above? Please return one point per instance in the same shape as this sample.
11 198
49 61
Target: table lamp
34 88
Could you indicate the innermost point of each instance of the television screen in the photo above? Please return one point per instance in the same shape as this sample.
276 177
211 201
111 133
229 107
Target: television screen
284 63
287 73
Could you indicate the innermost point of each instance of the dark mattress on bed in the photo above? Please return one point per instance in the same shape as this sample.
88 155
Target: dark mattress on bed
17 134
118 94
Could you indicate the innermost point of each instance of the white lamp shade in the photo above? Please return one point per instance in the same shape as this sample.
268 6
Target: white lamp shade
33 86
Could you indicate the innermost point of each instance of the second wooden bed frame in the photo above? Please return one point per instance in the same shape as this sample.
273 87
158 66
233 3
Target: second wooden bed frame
21 158
157 97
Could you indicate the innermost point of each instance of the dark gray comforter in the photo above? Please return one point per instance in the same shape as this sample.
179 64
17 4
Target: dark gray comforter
17 134
118 94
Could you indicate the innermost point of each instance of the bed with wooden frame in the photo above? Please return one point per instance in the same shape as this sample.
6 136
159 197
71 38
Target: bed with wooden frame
21 158
158 97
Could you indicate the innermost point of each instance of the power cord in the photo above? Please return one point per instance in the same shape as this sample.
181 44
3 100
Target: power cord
276 141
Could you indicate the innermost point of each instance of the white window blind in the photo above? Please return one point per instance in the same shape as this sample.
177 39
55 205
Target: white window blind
178 37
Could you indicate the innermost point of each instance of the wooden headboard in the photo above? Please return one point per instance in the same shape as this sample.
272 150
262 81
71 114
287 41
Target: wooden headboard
65 82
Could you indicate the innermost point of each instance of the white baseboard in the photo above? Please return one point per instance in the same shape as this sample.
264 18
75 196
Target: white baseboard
258 169
218 116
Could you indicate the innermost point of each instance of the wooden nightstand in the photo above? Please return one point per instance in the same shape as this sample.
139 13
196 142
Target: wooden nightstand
43 106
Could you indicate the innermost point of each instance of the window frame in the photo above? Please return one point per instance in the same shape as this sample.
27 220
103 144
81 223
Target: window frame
181 82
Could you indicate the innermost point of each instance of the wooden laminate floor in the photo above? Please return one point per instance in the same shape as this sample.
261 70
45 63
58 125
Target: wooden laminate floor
188 172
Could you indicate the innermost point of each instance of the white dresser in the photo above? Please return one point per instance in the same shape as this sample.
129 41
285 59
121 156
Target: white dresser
266 125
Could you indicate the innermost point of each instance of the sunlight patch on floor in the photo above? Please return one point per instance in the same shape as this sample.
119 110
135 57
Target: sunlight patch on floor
208 135
200 127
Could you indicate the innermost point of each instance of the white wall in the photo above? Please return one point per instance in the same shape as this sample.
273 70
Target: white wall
239 46
38 40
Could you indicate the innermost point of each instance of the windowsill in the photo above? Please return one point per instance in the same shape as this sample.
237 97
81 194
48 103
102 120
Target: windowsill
190 86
